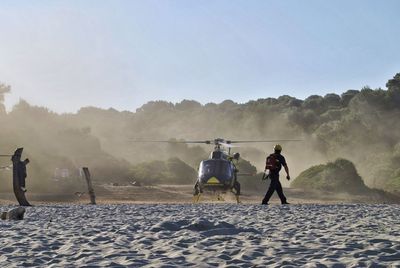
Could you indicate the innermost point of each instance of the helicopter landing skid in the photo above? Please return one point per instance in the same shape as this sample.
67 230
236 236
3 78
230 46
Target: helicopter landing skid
196 198
236 192
237 196
238 199
217 196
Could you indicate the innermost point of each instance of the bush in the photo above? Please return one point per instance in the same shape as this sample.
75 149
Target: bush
173 171
248 181
338 176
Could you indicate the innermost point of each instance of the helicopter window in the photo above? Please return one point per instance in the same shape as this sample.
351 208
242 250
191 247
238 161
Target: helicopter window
206 168
215 168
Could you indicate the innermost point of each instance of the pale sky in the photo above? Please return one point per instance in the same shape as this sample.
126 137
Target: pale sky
68 54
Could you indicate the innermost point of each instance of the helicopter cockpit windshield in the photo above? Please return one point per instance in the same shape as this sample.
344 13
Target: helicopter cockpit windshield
218 168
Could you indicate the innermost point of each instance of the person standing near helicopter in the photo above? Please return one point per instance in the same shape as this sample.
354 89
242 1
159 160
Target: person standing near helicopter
274 164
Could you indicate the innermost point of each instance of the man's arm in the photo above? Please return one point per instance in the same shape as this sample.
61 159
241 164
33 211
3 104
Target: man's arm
287 171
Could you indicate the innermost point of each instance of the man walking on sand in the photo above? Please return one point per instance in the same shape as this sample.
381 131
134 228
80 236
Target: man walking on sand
274 164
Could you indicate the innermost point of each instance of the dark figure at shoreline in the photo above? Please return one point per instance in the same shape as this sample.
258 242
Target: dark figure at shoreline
20 168
22 173
19 177
274 164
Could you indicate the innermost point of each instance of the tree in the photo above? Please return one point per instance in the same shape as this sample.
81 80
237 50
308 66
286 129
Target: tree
314 103
393 86
348 95
3 90
188 105
332 100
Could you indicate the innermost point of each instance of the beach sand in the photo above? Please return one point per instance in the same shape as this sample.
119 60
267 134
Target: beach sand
158 226
203 235
182 194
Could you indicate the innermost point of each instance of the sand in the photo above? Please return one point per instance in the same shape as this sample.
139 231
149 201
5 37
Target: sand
108 194
203 235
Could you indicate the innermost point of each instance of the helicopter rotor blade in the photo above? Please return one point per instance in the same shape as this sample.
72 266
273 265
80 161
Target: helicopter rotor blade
172 141
228 145
222 142
244 141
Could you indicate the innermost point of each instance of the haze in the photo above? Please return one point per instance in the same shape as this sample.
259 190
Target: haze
68 54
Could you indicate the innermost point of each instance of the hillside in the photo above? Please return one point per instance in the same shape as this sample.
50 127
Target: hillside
359 125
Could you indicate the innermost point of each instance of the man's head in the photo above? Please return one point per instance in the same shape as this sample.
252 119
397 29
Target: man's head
278 149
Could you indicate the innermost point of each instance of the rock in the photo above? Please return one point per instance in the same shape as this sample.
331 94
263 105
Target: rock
3 215
13 214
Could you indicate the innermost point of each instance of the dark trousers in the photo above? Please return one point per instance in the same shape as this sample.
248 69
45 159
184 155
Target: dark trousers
275 185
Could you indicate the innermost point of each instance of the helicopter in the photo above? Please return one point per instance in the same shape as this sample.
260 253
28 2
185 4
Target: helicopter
219 174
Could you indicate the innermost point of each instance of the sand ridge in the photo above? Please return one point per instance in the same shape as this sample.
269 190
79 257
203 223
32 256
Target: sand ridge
203 235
